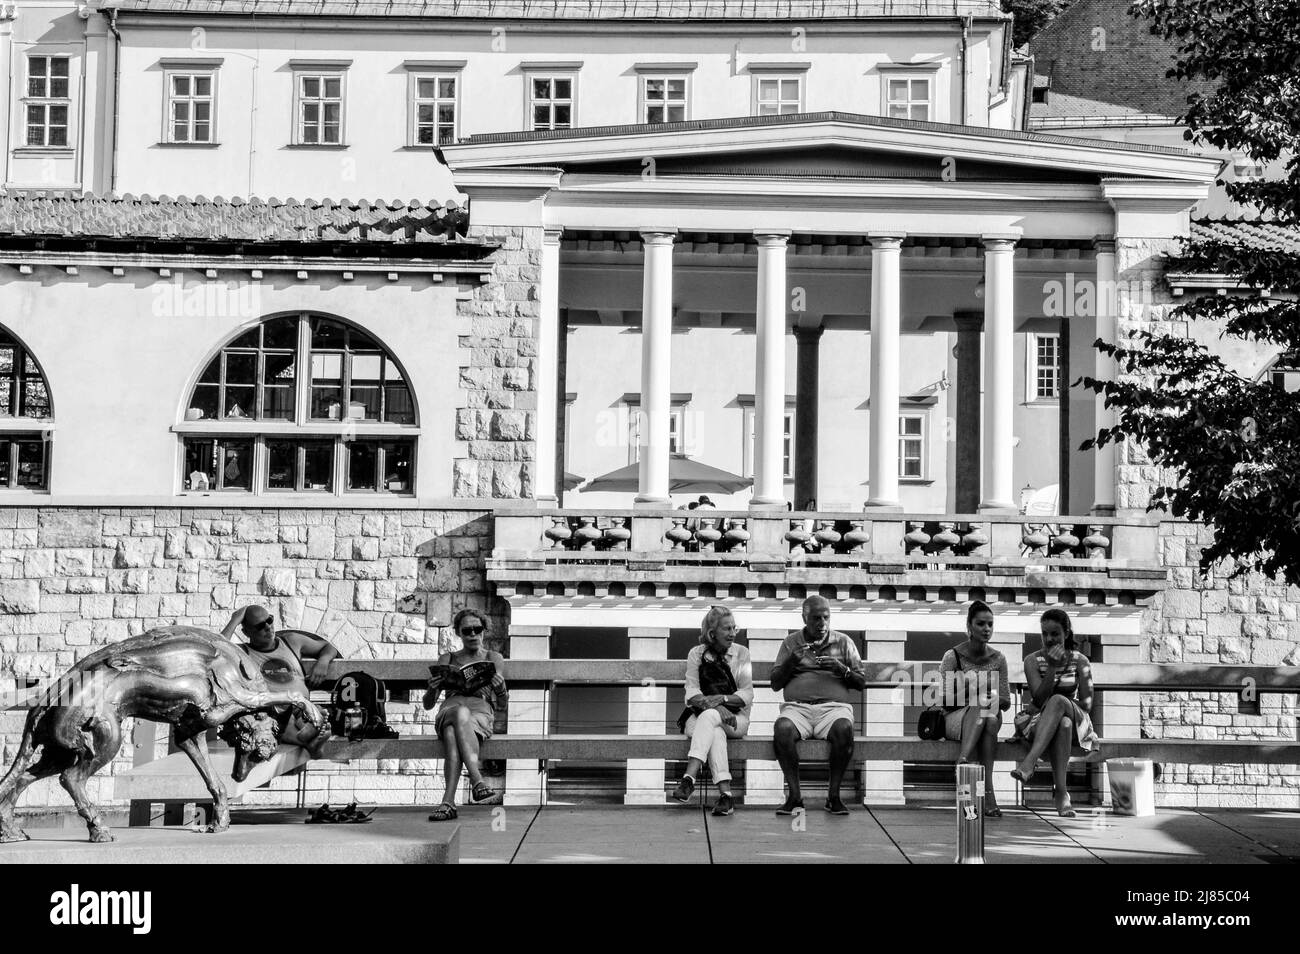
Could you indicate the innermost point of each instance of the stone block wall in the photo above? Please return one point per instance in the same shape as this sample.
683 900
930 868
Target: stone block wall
498 369
379 584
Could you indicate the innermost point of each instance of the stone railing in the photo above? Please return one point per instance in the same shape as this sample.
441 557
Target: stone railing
682 548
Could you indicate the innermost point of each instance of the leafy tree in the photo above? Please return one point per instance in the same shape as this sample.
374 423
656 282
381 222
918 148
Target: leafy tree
1230 445
1032 16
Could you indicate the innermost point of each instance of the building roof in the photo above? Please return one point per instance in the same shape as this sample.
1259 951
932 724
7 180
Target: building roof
34 215
580 9
1098 61
1252 235
795 119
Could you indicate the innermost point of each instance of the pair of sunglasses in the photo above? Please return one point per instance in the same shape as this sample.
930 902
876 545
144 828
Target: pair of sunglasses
471 630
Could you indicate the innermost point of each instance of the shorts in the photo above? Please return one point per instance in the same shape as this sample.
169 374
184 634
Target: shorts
813 720
481 714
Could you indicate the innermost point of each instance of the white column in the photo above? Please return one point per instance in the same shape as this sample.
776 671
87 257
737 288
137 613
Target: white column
525 783
882 781
764 781
885 308
769 394
8 12
999 374
1105 459
656 359
546 379
647 714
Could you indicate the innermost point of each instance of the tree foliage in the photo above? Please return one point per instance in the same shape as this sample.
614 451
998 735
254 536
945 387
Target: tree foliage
1231 444
1031 17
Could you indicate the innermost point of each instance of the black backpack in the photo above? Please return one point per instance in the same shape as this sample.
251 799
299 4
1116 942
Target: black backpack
358 707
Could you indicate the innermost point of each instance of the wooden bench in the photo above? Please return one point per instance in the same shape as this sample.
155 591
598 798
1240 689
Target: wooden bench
146 785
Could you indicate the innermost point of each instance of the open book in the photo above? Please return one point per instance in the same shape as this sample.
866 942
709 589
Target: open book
463 680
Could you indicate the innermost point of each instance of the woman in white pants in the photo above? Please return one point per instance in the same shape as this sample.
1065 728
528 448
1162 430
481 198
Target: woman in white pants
719 695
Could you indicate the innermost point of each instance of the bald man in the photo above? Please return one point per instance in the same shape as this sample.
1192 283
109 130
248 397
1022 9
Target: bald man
820 673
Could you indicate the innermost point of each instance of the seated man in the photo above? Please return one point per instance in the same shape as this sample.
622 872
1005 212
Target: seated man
821 674
280 657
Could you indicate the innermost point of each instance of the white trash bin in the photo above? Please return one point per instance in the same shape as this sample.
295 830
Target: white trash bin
1132 786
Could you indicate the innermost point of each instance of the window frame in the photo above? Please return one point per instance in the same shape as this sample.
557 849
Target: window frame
912 71
530 101
1032 368
923 438
778 77
46 102
643 102
678 417
301 427
194 71
413 101
323 72
749 424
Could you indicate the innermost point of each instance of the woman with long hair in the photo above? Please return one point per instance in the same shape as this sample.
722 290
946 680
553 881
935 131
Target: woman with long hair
976 693
1056 716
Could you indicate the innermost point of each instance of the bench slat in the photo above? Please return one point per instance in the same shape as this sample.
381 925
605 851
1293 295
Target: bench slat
620 747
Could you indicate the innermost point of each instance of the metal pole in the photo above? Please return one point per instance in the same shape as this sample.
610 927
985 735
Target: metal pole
970 814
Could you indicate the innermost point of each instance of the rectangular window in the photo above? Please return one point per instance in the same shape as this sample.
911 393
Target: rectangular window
191 102
301 465
664 98
223 463
679 440
320 109
433 110
907 97
550 102
383 465
911 446
787 442
1047 367
778 94
48 101
23 462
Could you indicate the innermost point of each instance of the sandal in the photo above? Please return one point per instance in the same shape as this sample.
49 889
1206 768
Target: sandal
444 812
481 793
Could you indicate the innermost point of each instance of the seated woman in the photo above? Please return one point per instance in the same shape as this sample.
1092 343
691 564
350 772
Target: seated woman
466 718
1059 683
975 703
719 695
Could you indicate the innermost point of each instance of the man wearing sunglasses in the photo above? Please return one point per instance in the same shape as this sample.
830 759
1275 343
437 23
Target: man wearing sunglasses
282 656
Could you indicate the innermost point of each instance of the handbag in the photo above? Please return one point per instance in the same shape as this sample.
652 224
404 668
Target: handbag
930 723
716 679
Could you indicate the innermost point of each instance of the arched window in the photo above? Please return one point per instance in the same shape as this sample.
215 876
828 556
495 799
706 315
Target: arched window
25 412
346 394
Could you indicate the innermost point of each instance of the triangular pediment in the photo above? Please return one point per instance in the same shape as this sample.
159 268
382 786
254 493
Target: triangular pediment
826 144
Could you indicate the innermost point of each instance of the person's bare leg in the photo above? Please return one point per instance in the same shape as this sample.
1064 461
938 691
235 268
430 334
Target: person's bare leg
971 733
988 747
468 743
1044 733
840 737
785 739
451 767
1060 762
693 768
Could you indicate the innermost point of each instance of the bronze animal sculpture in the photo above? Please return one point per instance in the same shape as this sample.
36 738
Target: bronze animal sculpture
187 677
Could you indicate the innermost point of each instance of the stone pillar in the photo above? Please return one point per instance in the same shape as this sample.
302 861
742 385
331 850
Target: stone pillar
647 714
999 356
547 378
882 781
769 393
656 359
806 389
1010 643
969 325
8 13
525 783
885 307
764 783
1118 714
1105 459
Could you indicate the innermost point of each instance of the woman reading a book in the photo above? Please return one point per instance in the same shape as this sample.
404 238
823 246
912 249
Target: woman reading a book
719 694
476 691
